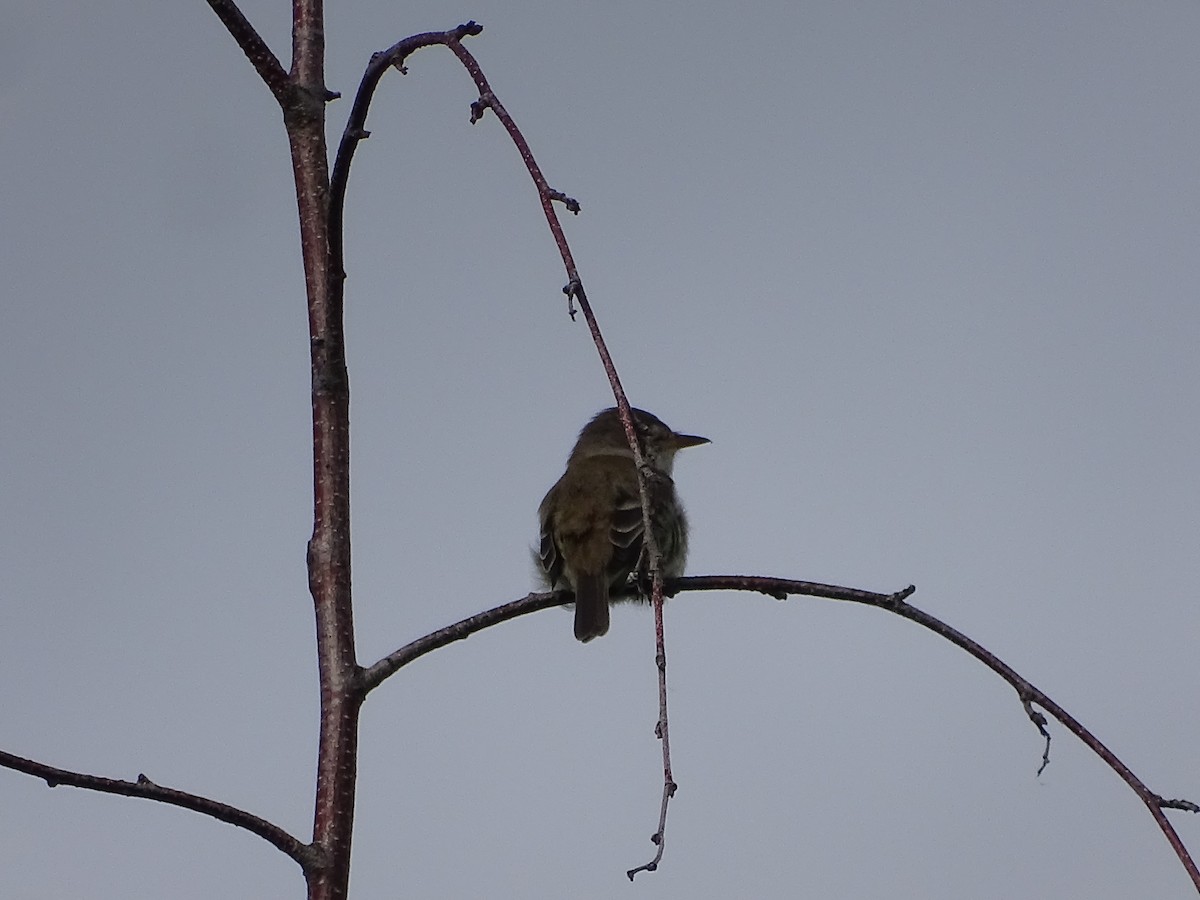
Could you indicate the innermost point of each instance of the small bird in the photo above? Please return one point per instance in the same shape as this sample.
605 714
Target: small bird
591 520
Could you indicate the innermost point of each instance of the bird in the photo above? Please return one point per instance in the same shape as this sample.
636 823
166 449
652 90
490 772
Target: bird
591 527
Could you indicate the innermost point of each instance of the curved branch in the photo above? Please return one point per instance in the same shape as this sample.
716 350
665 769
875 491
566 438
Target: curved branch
372 676
309 858
574 291
356 131
781 589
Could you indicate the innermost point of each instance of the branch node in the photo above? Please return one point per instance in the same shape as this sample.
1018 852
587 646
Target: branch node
480 106
468 29
330 96
1038 719
570 203
316 857
572 289
648 867
1185 805
896 600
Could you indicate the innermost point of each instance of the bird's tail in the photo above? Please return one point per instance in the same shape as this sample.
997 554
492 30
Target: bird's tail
591 607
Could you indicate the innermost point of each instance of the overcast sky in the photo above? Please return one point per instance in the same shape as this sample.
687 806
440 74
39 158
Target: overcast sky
925 272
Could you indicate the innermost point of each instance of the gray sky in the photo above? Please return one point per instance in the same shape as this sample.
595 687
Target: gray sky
924 272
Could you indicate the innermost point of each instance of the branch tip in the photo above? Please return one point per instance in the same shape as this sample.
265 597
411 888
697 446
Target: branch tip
572 289
479 107
570 203
1185 805
1039 719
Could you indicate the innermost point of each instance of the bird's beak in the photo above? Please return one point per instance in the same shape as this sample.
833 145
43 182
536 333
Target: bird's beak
689 440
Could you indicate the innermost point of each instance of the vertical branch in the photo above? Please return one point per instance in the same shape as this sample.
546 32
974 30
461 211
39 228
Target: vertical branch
574 291
329 547
302 96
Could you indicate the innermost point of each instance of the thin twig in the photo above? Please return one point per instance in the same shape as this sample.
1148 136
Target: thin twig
547 195
374 675
1026 692
306 855
264 61
662 731
781 589
575 292
356 130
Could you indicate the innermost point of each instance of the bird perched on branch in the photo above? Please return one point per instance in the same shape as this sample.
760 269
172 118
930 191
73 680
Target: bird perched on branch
591 520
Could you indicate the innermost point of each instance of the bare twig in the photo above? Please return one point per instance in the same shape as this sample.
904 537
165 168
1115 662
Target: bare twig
308 856
264 61
575 292
371 677
356 123
781 589
662 730
1026 692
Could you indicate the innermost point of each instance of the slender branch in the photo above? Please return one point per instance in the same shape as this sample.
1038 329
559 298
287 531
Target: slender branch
662 730
1026 692
781 589
574 291
264 61
308 856
547 195
356 130
372 676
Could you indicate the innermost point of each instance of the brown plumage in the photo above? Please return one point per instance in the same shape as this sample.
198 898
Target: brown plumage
591 520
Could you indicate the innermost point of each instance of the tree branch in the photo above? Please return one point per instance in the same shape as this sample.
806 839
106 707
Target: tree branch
781 589
308 856
356 130
269 69
1029 695
575 291
371 677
